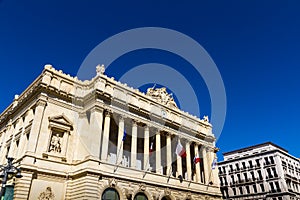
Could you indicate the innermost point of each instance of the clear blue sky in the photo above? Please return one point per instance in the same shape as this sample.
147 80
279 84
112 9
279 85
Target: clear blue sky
255 45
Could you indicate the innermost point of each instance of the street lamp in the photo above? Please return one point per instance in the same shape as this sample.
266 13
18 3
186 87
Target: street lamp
7 170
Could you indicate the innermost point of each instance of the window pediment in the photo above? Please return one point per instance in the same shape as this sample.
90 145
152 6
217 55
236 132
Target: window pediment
60 122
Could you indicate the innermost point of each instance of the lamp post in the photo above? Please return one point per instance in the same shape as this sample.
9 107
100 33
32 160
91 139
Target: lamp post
7 170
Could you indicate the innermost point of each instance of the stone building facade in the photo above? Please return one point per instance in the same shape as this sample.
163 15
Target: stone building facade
264 171
100 139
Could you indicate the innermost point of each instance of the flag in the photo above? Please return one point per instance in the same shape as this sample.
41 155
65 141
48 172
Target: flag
180 151
214 164
151 149
124 136
196 159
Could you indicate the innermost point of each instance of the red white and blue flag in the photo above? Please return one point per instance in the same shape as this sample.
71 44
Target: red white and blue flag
180 151
214 164
151 149
196 159
124 135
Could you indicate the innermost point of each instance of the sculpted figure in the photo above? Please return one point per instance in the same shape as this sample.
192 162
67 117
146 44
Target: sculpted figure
55 145
46 195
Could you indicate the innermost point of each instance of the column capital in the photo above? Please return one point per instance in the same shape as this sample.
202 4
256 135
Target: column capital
185 140
108 113
168 134
122 117
157 132
146 127
41 102
135 122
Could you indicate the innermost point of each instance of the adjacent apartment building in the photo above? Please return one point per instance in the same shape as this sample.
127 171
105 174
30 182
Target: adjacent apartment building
264 171
101 139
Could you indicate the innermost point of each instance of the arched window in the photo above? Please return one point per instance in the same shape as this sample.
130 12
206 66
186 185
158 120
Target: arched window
140 196
110 194
166 198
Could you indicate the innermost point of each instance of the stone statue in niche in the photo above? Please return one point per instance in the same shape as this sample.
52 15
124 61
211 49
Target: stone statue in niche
55 144
47 194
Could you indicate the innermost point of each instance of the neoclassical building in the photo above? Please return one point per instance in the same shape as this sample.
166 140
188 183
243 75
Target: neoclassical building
100 139
264 171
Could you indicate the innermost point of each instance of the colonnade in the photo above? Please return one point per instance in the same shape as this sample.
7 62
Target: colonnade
199 172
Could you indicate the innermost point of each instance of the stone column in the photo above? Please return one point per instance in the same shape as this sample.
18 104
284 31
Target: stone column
36 125
133 144
23 143
157 152
105 139
179 163
95 131
198 171
169 154
188 161
120 142
146 148
206 165
214 172
13 144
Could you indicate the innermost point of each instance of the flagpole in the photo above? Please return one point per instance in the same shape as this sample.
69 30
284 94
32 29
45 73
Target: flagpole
148 159
146 170
118 154
170 172
192 174
212 168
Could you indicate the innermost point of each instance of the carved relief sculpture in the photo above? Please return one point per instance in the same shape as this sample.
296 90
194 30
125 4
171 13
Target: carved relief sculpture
161 95
55 144
47 194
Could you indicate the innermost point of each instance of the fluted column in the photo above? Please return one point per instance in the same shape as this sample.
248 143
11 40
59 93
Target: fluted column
105 140
206 165
36 124
133 144
157 152
146 147
198 171
120 142
188 161
169 154
179 163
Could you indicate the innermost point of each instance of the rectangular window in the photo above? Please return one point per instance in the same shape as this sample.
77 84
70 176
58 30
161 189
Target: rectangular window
250 163
254 189
241 190
257 163
244 165
248 189
262 187
234 191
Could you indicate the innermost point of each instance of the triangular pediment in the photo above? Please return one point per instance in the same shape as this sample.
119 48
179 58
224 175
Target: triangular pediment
61 119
